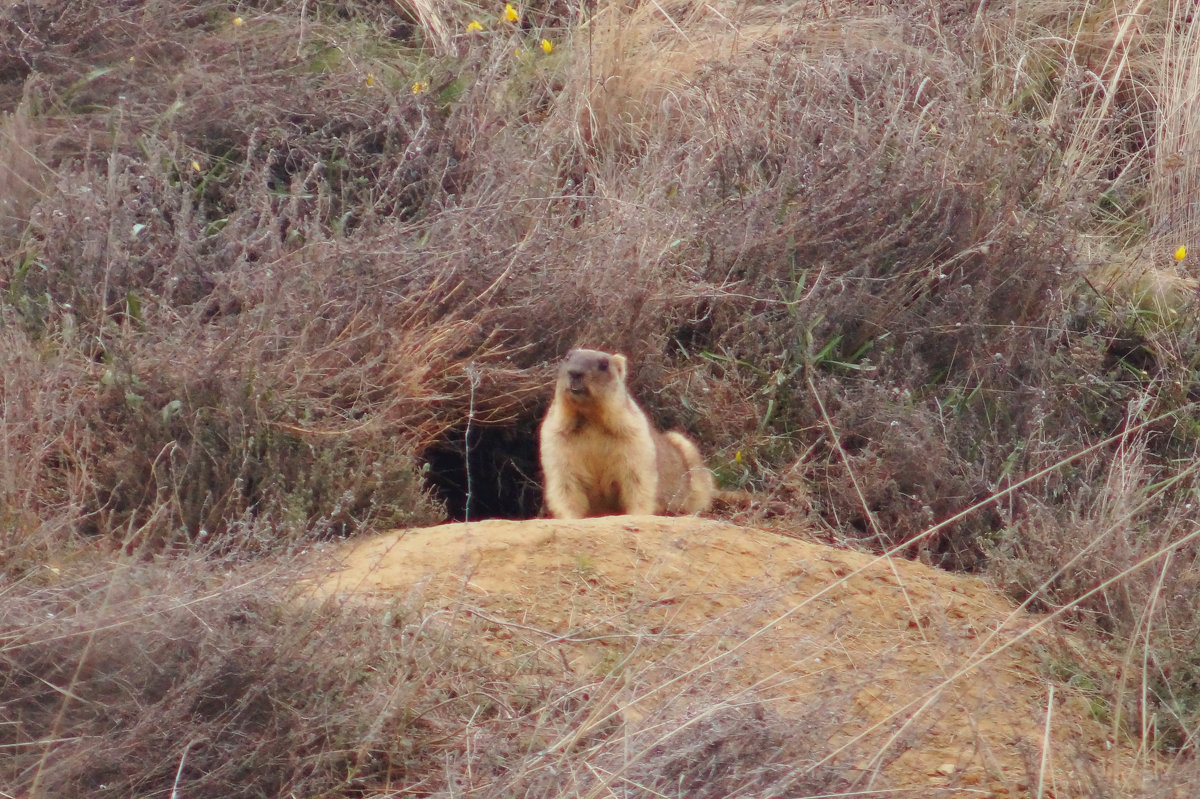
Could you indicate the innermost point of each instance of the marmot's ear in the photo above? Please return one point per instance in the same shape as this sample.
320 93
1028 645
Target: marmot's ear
618 365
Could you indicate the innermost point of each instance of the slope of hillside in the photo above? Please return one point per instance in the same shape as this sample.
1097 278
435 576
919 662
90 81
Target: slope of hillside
274 274
929 680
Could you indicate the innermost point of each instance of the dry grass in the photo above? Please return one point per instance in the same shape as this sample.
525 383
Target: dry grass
847 245
188 678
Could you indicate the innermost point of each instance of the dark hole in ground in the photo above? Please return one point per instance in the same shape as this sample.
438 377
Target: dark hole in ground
504 477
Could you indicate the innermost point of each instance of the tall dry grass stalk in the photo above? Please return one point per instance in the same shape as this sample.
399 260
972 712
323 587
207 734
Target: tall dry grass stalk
1174 178
438 20
23 176
636 63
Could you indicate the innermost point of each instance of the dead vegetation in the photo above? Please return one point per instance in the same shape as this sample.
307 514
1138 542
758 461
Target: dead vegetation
273 274
176 678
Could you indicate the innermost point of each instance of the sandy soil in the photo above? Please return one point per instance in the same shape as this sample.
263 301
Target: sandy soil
936 677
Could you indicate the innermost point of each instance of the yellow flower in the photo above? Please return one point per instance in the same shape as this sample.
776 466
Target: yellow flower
1181 253
510 13
420 87
370 78
196 165
737 456
547 46
474 25
517 51
239 21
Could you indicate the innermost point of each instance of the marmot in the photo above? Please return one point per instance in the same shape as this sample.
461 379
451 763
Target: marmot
600 454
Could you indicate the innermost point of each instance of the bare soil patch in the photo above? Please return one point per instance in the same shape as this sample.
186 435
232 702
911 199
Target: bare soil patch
935 681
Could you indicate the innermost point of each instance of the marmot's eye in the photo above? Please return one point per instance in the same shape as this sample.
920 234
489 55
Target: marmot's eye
602 364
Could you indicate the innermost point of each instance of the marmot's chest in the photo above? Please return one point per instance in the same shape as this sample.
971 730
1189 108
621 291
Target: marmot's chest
609 458
604 464
597 444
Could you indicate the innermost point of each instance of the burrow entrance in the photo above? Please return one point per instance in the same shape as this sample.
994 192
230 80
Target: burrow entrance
492 474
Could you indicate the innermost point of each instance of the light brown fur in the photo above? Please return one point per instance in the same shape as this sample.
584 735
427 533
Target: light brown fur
601 455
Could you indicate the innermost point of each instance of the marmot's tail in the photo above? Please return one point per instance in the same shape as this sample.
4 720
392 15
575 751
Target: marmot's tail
700 484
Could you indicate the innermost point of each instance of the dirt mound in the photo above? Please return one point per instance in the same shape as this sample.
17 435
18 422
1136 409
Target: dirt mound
933 680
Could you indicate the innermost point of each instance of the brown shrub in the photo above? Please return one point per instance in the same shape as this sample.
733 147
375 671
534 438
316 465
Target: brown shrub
259 286
263 284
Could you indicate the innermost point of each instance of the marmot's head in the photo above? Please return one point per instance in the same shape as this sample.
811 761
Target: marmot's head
588 376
